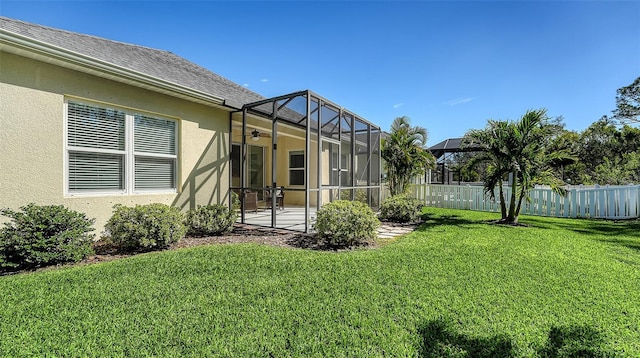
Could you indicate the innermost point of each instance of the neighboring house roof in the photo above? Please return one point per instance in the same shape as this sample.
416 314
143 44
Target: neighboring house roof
160 66
451 145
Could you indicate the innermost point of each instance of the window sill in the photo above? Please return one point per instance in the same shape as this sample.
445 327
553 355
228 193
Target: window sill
118 194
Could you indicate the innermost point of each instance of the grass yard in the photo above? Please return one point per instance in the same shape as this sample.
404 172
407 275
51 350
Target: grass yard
457 287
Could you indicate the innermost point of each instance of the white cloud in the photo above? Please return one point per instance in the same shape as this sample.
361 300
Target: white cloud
398 105
246 85
264 80
455 102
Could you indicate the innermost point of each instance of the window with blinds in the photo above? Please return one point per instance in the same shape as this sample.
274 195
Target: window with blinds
155 153
296 167
113 151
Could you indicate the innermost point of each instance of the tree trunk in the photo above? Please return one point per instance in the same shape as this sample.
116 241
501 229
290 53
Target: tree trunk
393 182
522 195
503 204
511 217
402 185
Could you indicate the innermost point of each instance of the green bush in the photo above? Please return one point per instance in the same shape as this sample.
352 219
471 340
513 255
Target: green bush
235 201
401 208
40 236
346 223
210 220
145 227
361 196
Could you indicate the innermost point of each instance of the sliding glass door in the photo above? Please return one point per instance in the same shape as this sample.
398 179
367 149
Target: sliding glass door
255 167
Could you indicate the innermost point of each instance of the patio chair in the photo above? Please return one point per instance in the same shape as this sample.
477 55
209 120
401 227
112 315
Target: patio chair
279 198
251 201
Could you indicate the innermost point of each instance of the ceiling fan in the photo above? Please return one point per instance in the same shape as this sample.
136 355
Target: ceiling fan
255 135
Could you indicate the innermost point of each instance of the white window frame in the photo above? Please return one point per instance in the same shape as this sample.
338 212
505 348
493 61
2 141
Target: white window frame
128 153
289 168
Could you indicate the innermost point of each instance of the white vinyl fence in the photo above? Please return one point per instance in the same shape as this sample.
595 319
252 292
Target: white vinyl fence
610 202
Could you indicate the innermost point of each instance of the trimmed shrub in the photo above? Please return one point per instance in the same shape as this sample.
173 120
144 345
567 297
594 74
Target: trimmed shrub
145 227
401 208
346 223
210 220
235 201
46 235
361 196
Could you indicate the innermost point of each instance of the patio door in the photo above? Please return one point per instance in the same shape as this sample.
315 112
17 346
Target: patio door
255 168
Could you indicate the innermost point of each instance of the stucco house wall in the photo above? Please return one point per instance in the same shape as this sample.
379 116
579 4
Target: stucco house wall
32 97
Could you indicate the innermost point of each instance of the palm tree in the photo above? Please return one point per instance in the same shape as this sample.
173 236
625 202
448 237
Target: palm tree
492 141
404 154
519 150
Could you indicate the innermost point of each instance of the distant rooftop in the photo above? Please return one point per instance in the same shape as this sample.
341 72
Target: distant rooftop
451 145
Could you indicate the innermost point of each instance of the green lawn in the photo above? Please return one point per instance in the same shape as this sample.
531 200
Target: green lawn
458 287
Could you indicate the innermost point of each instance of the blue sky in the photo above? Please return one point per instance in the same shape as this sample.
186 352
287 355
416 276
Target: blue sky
449 66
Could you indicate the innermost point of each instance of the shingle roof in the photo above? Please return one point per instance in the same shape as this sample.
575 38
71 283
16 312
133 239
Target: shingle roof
451 145
160 64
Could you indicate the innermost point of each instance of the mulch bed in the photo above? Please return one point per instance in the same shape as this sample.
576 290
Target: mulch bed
106 252
240 235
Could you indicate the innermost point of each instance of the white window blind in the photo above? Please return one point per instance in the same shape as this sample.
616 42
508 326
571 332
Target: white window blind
101 141
91 127
154 135
155 173
96 171
156 138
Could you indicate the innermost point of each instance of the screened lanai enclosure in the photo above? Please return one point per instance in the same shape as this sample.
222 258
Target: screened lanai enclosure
294 153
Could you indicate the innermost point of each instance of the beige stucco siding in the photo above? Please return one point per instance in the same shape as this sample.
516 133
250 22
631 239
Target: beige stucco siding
286 145
32 97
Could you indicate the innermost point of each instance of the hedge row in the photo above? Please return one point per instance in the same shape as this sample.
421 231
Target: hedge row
38 236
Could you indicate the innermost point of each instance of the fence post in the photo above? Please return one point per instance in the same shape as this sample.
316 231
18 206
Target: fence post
573 203
612 203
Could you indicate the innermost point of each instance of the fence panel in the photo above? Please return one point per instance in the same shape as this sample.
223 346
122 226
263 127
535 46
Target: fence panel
611 202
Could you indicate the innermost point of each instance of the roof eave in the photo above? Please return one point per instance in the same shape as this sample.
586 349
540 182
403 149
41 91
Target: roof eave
29 47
